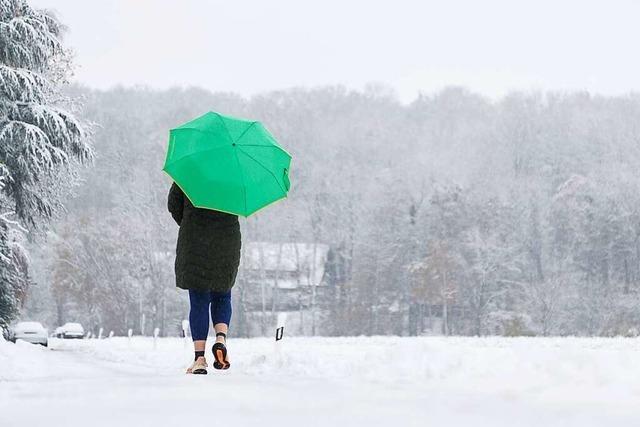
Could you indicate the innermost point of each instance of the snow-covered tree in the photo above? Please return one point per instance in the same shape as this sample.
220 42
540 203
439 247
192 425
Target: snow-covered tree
41 141
13 270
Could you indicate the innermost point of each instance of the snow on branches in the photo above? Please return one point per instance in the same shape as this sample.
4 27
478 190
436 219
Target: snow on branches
40 141
28 38
38 136
20 85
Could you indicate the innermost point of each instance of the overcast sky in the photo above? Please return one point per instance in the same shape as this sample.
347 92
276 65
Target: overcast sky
249 46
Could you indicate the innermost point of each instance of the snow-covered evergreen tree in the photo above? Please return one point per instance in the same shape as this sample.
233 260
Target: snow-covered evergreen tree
40 140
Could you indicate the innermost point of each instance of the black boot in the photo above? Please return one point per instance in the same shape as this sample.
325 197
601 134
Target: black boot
220 353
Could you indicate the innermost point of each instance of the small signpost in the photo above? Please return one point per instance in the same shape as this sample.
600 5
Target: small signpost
282 318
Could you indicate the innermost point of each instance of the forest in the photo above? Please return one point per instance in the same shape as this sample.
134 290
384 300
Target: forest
454 214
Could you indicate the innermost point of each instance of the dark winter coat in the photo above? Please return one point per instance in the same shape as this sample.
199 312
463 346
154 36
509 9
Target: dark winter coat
208 249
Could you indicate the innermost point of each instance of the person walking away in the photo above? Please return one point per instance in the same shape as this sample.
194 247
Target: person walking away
207 259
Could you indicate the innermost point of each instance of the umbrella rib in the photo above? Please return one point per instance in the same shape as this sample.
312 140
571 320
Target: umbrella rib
193 154
225 127
245 131
244 187
263 167
267 146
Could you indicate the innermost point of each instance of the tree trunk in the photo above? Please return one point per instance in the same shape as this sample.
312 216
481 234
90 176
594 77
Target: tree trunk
445 311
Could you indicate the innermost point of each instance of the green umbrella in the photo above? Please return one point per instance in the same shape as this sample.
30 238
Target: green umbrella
227 164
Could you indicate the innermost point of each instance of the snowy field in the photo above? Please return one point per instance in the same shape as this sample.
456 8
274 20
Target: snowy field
323 381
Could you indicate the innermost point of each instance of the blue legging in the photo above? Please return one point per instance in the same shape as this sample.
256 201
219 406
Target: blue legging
220 304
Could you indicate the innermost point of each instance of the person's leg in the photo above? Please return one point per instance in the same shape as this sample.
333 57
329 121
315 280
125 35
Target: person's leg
220 317
221 311
199 320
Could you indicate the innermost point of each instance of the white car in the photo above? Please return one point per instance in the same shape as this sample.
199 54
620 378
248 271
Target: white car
70 330
32 332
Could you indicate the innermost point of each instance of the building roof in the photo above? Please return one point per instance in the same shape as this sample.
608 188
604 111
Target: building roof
297 264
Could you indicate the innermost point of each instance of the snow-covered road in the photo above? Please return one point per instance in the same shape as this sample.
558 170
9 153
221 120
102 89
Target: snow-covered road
324 381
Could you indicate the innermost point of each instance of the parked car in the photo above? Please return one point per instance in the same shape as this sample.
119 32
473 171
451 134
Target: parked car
32 332
70 330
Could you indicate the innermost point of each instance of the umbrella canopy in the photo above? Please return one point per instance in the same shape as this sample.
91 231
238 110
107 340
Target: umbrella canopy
227 164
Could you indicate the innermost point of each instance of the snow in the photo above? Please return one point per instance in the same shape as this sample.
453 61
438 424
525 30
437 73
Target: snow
321 381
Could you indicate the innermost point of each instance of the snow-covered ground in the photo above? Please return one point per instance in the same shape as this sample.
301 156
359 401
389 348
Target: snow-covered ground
325 381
